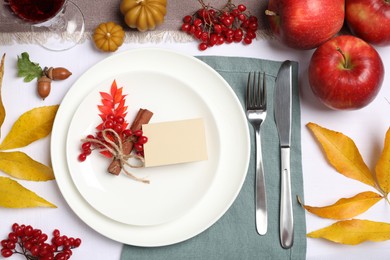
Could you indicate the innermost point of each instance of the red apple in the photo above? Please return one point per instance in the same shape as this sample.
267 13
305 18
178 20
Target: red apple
305 24
346 73
369 20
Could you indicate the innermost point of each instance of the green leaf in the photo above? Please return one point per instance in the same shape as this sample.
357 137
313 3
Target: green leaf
14 195
21 166
31 126
28 69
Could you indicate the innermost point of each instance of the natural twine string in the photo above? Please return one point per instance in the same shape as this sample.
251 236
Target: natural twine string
117 151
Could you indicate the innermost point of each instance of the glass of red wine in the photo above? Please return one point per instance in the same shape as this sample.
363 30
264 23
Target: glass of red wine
56 24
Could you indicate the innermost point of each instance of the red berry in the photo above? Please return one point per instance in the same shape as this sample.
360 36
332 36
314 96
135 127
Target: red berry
86 146
119 120
142 140
118 128
108 124
14 227
138 147
56 232
82 157
204 37
217 28
35 250
247 40
202 46
60 256
138 133
241 7
110 117
77 242
28 245
185 27
187 19
127 132
197 22
58 241
5 252
11 245
4 242
12 237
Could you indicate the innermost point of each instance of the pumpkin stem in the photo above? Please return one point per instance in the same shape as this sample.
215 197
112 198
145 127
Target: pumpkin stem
139 1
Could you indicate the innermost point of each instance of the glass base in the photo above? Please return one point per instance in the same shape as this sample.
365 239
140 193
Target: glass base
62 32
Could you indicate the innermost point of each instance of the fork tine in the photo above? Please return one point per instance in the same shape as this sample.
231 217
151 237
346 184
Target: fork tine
264 92
257 91
248 88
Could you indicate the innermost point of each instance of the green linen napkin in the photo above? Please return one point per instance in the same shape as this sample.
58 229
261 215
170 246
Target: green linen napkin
234 235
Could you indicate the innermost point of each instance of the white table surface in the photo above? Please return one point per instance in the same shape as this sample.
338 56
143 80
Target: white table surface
322 185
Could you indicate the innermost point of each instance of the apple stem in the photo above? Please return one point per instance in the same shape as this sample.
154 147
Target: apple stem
270 13
346 61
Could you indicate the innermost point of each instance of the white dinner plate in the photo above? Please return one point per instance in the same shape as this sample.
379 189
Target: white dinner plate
199 91
174 189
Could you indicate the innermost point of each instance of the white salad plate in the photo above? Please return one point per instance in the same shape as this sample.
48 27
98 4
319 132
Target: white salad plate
182 200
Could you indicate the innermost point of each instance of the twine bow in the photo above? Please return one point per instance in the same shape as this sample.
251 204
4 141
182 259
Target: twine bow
116 149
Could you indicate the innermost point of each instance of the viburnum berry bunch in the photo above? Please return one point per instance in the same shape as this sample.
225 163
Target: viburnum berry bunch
213 26
32 243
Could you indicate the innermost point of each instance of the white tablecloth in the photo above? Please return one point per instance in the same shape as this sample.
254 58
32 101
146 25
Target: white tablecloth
322 184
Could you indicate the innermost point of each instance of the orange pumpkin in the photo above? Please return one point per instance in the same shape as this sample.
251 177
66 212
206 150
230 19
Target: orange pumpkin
143 14
108 36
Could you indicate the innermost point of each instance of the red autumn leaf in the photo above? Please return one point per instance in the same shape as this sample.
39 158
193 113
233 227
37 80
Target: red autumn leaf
113 89
105 110
107 103
106 96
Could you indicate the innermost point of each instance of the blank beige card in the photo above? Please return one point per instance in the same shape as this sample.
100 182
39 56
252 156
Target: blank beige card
175 142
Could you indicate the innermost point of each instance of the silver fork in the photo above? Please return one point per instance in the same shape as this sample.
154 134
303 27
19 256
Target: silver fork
256 112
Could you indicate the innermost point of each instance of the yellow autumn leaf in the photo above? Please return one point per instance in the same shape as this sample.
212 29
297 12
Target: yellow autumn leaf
354 231
14 195
382 168
346 207
2 109
21 166
31 126
343 154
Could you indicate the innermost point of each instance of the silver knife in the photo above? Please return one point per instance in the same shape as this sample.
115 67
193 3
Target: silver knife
282 109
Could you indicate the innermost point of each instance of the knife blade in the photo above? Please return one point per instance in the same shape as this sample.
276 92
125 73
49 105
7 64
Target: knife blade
283 113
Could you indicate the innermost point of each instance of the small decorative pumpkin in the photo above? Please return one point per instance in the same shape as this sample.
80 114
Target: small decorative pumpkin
143 14
108 36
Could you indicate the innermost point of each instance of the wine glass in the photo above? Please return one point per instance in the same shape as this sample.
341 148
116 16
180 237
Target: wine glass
55 24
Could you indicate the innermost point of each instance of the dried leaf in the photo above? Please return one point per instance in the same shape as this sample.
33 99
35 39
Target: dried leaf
353 232
2 109
14 195
343 154
31 126
346 207
21 166
382 168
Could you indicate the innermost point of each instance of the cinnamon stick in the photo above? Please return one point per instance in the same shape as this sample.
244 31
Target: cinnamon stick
143 117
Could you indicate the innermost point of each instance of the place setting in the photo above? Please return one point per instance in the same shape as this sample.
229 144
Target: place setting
196 133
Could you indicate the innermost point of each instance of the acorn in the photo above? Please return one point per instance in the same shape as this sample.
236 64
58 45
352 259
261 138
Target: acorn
44 86
58 73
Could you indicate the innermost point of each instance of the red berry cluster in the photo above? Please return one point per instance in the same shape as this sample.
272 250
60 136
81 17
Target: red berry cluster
116 123
215 27
136 137
33 244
